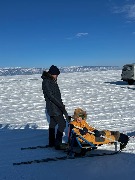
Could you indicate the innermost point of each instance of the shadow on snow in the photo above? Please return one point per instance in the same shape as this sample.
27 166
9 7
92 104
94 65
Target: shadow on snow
119 83
131 134
122 83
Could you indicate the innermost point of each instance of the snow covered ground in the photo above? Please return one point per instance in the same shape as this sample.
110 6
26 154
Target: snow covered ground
109 102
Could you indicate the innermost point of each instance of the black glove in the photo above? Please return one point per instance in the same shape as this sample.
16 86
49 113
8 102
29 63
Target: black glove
96 133
83 131
99 133
102 133
68 119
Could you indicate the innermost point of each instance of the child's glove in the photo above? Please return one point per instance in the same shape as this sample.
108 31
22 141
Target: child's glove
83 131
98 133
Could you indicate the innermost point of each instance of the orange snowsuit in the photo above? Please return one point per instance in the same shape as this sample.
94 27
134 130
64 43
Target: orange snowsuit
109 137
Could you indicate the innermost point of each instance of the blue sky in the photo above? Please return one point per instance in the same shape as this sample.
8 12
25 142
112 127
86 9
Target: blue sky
39 33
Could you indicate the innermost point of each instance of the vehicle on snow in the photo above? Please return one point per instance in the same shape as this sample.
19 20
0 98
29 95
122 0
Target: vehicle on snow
128 73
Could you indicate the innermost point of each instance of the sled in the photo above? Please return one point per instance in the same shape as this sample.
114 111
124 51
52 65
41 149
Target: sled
80 148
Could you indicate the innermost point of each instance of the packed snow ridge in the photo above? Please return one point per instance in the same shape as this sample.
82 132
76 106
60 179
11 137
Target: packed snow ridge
30 71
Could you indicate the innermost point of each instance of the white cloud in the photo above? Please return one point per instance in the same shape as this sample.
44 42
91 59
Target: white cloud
128 10
78 35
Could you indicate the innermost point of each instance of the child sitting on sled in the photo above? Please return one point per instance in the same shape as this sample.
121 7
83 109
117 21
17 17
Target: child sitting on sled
81 127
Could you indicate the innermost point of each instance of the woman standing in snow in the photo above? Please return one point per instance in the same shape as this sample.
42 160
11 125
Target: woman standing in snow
54 106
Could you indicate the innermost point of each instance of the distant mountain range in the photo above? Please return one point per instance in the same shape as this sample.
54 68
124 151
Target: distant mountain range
30 71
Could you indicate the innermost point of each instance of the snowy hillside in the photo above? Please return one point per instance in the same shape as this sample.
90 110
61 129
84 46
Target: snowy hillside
30 71
109 102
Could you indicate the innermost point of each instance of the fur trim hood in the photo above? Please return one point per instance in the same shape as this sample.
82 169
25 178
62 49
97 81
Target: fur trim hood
79 112
46 75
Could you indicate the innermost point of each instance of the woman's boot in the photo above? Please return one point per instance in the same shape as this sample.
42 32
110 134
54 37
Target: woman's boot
58 142
51 137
